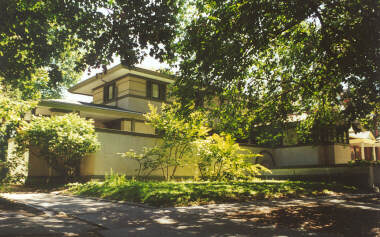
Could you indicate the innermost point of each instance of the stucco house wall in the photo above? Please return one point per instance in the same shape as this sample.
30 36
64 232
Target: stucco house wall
296 156
107 158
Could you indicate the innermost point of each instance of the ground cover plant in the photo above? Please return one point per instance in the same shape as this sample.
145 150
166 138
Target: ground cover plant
172 193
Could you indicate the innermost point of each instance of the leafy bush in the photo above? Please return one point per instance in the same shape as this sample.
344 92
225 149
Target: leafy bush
220 158
186 141
177 131
61 140
12 112
363 163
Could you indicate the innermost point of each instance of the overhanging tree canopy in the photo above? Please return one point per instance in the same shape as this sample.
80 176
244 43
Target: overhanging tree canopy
39 33
267 59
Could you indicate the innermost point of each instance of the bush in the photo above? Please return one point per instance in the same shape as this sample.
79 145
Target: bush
363 163
220 158
178 131
61 140
12 112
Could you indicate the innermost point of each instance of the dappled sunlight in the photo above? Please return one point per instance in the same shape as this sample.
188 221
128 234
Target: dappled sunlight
284 217
19 220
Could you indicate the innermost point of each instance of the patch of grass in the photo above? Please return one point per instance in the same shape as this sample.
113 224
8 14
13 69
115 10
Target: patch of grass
184 193
39 188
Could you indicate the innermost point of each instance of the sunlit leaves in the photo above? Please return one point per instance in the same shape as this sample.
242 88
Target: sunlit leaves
61 140
277 58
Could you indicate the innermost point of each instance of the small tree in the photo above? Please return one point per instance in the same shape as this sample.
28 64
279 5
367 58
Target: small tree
178 131
220 158
148 161
61 140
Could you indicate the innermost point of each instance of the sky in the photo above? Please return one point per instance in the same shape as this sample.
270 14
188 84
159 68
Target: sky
148 63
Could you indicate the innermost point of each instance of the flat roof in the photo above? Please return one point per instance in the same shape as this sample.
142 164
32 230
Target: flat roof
84 106
85 87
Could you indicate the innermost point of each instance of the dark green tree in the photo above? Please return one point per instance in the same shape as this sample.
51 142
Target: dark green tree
39 34
270 59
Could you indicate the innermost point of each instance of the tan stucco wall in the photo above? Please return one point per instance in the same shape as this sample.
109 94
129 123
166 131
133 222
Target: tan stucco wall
142 127
131 85
342 154
296 156
98 96
107 159
137 104
39 167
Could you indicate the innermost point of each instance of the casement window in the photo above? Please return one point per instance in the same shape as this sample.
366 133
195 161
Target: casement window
109 92
156 90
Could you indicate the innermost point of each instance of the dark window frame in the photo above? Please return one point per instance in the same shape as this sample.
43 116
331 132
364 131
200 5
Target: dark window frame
161 90
106 98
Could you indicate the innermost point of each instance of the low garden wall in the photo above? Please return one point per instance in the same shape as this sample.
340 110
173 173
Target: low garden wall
107 159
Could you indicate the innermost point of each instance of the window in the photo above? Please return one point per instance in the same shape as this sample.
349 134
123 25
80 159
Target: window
156 90
109 92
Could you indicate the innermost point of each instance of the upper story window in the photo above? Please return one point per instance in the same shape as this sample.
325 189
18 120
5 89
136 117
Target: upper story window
156 90
109 92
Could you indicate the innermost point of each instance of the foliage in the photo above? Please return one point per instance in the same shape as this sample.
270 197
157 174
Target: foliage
363 163
61 140
177 132
148 161
63 37
270 59
185 140
12 112
194 193
220 158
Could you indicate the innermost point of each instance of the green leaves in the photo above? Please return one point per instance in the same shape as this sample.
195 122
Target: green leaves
41 35
270 59
178 129
61 140
220 158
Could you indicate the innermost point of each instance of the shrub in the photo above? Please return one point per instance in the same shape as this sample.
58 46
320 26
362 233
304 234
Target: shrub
177 130
220 158
12 112
61 140
363 163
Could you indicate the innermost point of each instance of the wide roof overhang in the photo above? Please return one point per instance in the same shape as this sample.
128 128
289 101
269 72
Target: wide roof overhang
86 87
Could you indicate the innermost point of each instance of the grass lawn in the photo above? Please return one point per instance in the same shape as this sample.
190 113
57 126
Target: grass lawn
187 193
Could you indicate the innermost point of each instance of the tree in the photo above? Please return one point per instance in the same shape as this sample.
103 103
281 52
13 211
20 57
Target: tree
268 59
39 35
177 131
62 141
185 140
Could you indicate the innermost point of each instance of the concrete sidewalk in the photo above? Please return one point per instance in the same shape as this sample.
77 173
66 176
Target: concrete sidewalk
123 219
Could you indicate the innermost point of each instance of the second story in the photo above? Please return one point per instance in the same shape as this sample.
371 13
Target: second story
126 88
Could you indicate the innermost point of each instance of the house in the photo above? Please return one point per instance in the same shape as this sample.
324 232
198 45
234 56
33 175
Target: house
121 97
364 146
